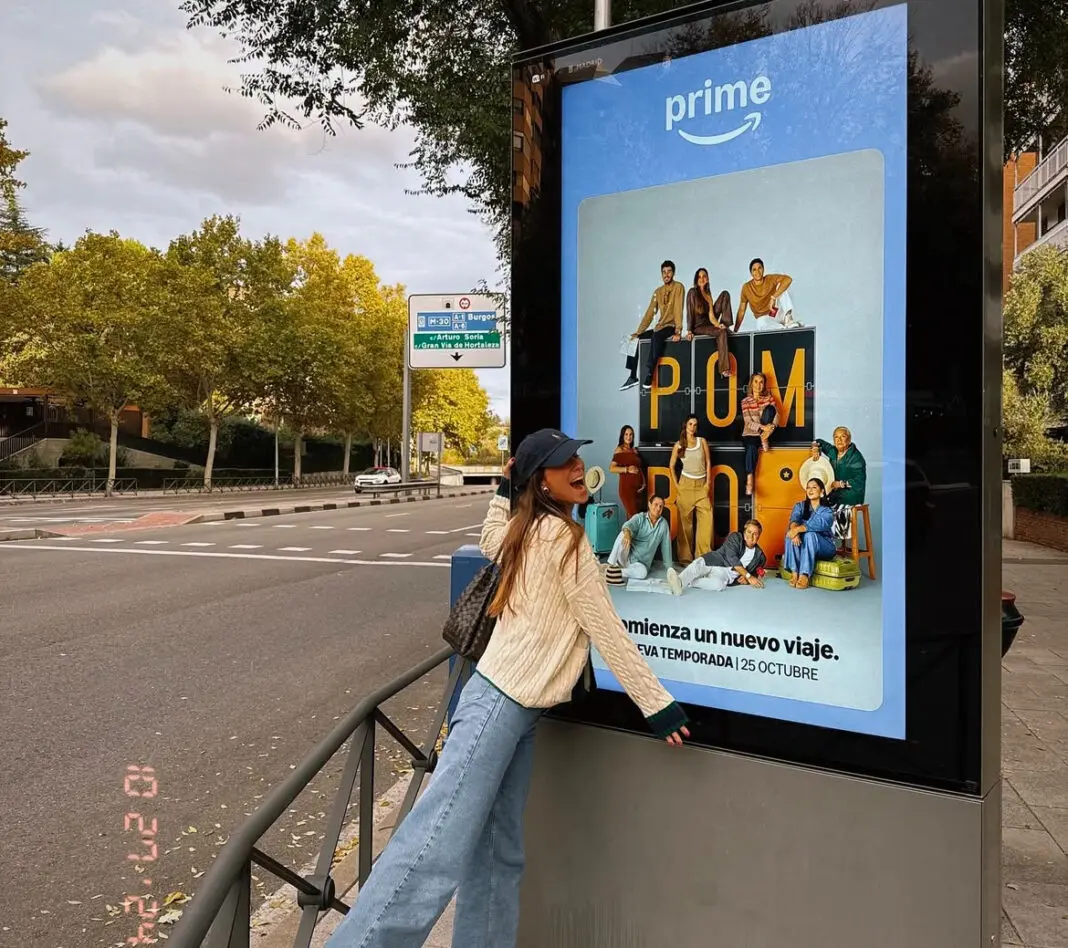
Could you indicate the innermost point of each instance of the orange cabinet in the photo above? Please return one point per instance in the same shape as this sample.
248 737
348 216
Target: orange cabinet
777 487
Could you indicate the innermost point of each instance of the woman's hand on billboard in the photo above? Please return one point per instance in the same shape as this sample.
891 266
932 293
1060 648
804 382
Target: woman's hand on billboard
675 738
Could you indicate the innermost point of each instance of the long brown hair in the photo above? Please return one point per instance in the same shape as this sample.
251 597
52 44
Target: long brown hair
533 505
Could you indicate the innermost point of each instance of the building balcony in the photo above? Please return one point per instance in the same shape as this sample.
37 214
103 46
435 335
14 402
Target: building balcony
1056 236
1049 173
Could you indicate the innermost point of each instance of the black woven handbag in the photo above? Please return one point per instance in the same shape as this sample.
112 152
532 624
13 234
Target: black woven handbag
469 626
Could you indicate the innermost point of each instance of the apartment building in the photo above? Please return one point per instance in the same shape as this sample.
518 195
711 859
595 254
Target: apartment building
1039 198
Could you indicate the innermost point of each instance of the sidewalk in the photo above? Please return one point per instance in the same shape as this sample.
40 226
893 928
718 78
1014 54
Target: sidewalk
1034 752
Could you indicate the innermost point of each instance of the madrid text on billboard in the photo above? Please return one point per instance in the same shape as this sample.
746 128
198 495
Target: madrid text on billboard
713 99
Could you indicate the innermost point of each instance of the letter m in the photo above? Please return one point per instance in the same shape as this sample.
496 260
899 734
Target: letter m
729 90
795 387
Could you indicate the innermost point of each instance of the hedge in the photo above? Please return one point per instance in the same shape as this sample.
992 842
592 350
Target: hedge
1046 493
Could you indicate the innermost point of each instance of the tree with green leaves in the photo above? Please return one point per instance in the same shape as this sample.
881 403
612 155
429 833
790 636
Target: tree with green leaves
1035 384
220 288
21 245
451 401
443 67
85 327
307 341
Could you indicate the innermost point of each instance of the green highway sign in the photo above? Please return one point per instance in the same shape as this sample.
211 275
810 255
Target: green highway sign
453 340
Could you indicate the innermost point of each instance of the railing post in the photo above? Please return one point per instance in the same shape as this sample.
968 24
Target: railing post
231 928
367 801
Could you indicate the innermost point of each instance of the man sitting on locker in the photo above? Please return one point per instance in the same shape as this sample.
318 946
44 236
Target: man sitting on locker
667 301
767 296
639 540
737 562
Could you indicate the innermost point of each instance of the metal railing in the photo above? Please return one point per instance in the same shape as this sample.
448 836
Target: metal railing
62 487
1045 171
21 440
407 487
194 484
219 915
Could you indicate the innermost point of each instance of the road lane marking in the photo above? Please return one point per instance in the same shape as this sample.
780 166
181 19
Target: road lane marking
195 543
438 533
358 528
107 540
293 549
148 542
283 526
443 556
247 546
345 552
324 528
11 547
462 506
396 530
472 534
391 516
245 523
396 556
470 526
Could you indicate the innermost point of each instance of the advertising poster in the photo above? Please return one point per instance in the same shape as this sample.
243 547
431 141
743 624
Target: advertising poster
733 228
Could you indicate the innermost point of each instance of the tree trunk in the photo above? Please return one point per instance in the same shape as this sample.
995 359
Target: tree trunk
348 451
213 440
113 452
298 441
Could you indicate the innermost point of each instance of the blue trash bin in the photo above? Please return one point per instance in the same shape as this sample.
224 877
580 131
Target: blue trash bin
466 562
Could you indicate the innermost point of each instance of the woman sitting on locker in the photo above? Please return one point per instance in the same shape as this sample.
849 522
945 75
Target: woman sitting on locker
810 535
758 422
691 486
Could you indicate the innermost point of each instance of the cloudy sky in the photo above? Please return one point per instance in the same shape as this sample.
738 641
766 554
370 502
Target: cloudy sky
130 128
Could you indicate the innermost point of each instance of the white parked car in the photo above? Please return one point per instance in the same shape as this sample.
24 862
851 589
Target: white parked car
376 477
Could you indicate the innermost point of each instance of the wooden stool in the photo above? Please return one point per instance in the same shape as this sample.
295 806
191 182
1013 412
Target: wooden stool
868 552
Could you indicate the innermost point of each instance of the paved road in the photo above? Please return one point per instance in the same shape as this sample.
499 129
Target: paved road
215 653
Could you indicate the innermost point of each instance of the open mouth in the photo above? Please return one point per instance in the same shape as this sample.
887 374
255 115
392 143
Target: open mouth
579 481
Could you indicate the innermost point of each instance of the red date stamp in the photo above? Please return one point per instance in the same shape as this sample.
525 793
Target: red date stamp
140 781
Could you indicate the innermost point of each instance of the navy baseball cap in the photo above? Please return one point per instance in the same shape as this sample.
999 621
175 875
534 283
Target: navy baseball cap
545 448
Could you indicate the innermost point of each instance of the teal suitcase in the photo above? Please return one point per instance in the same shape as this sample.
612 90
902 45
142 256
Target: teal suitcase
602 527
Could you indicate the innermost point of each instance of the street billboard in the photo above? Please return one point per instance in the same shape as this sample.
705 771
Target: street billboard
723 258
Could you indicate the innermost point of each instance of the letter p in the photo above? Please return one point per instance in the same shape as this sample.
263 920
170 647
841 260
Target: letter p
675 111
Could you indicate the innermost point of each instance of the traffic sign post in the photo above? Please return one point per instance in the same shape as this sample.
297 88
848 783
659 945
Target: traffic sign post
459 331
432 442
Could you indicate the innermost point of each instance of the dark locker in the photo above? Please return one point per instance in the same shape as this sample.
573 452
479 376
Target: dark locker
787 358
718 401
730 505
663 409
658 482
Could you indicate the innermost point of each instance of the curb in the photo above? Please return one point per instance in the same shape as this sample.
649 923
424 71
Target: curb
249 513
27 533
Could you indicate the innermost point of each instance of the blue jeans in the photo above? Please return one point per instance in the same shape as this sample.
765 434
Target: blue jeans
801 560
465 832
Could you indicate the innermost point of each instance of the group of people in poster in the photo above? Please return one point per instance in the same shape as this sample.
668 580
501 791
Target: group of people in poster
766 294
833 479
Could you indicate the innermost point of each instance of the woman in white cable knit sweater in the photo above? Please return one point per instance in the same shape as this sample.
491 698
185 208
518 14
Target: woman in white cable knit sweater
466 831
